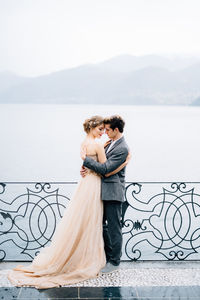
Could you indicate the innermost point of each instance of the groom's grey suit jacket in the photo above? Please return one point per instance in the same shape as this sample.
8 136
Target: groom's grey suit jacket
112 187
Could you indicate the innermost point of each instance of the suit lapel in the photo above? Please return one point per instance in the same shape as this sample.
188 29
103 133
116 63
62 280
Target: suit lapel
118 142
106 148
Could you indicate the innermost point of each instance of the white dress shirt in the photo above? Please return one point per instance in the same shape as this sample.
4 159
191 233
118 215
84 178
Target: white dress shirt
111 145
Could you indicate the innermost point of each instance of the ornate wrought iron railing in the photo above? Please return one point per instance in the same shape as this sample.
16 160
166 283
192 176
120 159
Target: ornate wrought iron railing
161 220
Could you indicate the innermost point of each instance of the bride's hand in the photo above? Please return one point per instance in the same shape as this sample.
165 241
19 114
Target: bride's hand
83 171
107 143
83 153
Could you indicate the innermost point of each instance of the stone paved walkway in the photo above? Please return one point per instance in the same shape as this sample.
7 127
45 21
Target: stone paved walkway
135 280
137 277
136 274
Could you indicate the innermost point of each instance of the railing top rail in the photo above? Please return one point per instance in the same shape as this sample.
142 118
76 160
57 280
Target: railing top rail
74 182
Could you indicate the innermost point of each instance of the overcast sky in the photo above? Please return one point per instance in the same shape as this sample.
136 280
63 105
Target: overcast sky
42 36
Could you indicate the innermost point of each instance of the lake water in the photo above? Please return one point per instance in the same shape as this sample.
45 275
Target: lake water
41 142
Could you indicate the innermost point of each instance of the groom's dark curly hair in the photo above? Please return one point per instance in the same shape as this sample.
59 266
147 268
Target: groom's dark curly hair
115 122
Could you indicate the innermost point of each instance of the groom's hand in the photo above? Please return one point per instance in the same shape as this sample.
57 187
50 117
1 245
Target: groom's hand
83 171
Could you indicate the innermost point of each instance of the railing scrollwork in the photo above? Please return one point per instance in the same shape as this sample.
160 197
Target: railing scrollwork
161 220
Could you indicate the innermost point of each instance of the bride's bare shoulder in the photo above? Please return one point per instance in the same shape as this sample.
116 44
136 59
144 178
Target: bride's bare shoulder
90 146
99 147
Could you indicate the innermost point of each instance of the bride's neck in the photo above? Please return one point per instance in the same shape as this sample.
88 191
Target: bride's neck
90 136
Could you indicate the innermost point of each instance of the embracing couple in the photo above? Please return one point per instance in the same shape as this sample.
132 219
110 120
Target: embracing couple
88 238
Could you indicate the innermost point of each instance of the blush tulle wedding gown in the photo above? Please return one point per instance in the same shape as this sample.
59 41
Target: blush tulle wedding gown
76 252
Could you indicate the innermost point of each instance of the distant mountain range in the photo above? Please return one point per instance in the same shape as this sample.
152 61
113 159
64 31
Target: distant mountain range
196 102
126 79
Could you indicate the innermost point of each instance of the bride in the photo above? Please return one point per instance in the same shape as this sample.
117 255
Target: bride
76 252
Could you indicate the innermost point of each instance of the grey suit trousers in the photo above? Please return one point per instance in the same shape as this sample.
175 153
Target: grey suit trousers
112 231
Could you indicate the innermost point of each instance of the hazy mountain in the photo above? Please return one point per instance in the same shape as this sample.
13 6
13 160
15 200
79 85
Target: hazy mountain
128 63
196 102
9 79
191 74
85 84
100 83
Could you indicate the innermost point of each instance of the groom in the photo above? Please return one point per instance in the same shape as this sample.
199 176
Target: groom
112 189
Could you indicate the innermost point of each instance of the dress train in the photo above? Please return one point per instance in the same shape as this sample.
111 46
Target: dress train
76 252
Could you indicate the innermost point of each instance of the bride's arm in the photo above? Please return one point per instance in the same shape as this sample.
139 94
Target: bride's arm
109 165
120 167
101 153
99 149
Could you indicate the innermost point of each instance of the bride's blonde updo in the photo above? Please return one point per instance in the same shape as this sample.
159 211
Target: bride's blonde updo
92 123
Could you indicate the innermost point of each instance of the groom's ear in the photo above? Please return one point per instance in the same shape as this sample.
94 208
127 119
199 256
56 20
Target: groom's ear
116 130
